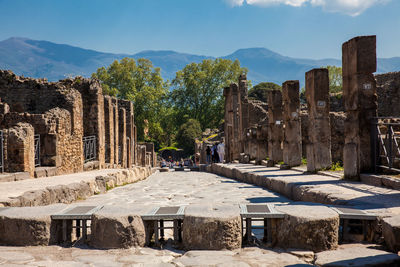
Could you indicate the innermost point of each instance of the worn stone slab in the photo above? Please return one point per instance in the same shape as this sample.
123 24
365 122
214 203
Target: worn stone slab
28 226
309 227
391 232
117 227
67 188
213 227
317 188
357 255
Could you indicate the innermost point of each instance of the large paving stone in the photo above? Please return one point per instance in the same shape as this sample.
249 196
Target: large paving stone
213 227
27 226
310 227
391 232
117 227
357 255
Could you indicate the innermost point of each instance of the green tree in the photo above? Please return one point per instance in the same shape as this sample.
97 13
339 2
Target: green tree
198 90
259 91
141 83
335 79
187 134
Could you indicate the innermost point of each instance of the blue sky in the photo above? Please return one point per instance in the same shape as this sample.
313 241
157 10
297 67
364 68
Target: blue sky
296 28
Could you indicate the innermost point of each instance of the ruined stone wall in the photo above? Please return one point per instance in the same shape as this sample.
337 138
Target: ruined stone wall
93 111
388 90
54 110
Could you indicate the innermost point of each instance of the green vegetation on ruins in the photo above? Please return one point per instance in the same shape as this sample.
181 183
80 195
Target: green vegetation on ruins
171 113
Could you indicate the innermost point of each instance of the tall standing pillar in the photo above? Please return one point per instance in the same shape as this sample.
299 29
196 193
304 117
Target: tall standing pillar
228 124
244 111
236 126
319 129
360 101
291 118
275 129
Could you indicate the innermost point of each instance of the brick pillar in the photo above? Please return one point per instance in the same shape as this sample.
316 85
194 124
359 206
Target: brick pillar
359 93
228 117
319 129
236 127
243 111
122 136
275 129
116 129
109 130
291 118
20 149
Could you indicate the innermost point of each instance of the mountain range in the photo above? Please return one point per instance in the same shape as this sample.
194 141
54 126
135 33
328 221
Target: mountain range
44 59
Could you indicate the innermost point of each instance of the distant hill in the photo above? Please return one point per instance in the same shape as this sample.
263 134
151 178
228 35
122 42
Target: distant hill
39 59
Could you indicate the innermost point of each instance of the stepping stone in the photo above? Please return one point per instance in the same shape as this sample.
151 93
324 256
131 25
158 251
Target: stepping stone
28 226
117 227
309 227
212 227
391 232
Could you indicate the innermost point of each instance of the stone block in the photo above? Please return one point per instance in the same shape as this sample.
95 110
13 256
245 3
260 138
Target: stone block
212 227
28 226
310 227
117 227
40 172
391 232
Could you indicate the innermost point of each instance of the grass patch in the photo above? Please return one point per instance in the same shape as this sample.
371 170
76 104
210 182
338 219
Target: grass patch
303 161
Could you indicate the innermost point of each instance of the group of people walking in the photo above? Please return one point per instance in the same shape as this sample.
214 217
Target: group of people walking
215 153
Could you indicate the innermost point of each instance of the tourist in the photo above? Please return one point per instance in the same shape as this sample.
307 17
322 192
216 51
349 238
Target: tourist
215 155
221 151
208 154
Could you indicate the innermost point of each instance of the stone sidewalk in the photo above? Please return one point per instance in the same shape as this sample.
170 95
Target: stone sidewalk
67 188
299 186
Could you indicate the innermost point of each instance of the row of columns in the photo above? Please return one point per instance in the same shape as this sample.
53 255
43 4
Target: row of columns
120 132
284 125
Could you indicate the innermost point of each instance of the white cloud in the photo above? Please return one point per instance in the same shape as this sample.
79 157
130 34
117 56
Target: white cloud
350 7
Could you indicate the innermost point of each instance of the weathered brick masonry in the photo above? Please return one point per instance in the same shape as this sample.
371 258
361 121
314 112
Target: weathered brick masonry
55 117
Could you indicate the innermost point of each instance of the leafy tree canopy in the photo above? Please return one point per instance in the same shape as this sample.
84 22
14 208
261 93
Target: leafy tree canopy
259 91
187 134
335 79
141 83
198 90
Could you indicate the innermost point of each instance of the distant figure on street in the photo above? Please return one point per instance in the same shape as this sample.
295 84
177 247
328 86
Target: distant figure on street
215 153
208 154
221 152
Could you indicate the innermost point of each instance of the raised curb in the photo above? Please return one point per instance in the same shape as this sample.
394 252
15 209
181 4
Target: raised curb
68 193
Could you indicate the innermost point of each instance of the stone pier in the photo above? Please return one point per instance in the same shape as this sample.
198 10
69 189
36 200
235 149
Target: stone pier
291 118
232 122
319 129
359 92
275 129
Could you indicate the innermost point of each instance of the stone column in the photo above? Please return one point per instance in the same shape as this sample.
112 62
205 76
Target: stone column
319 129
243 111
116 129
275 129
228 116
359 92
122 136
291 118
109 130
236 122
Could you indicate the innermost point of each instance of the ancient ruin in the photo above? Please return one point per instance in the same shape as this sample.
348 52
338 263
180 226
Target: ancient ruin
55 128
